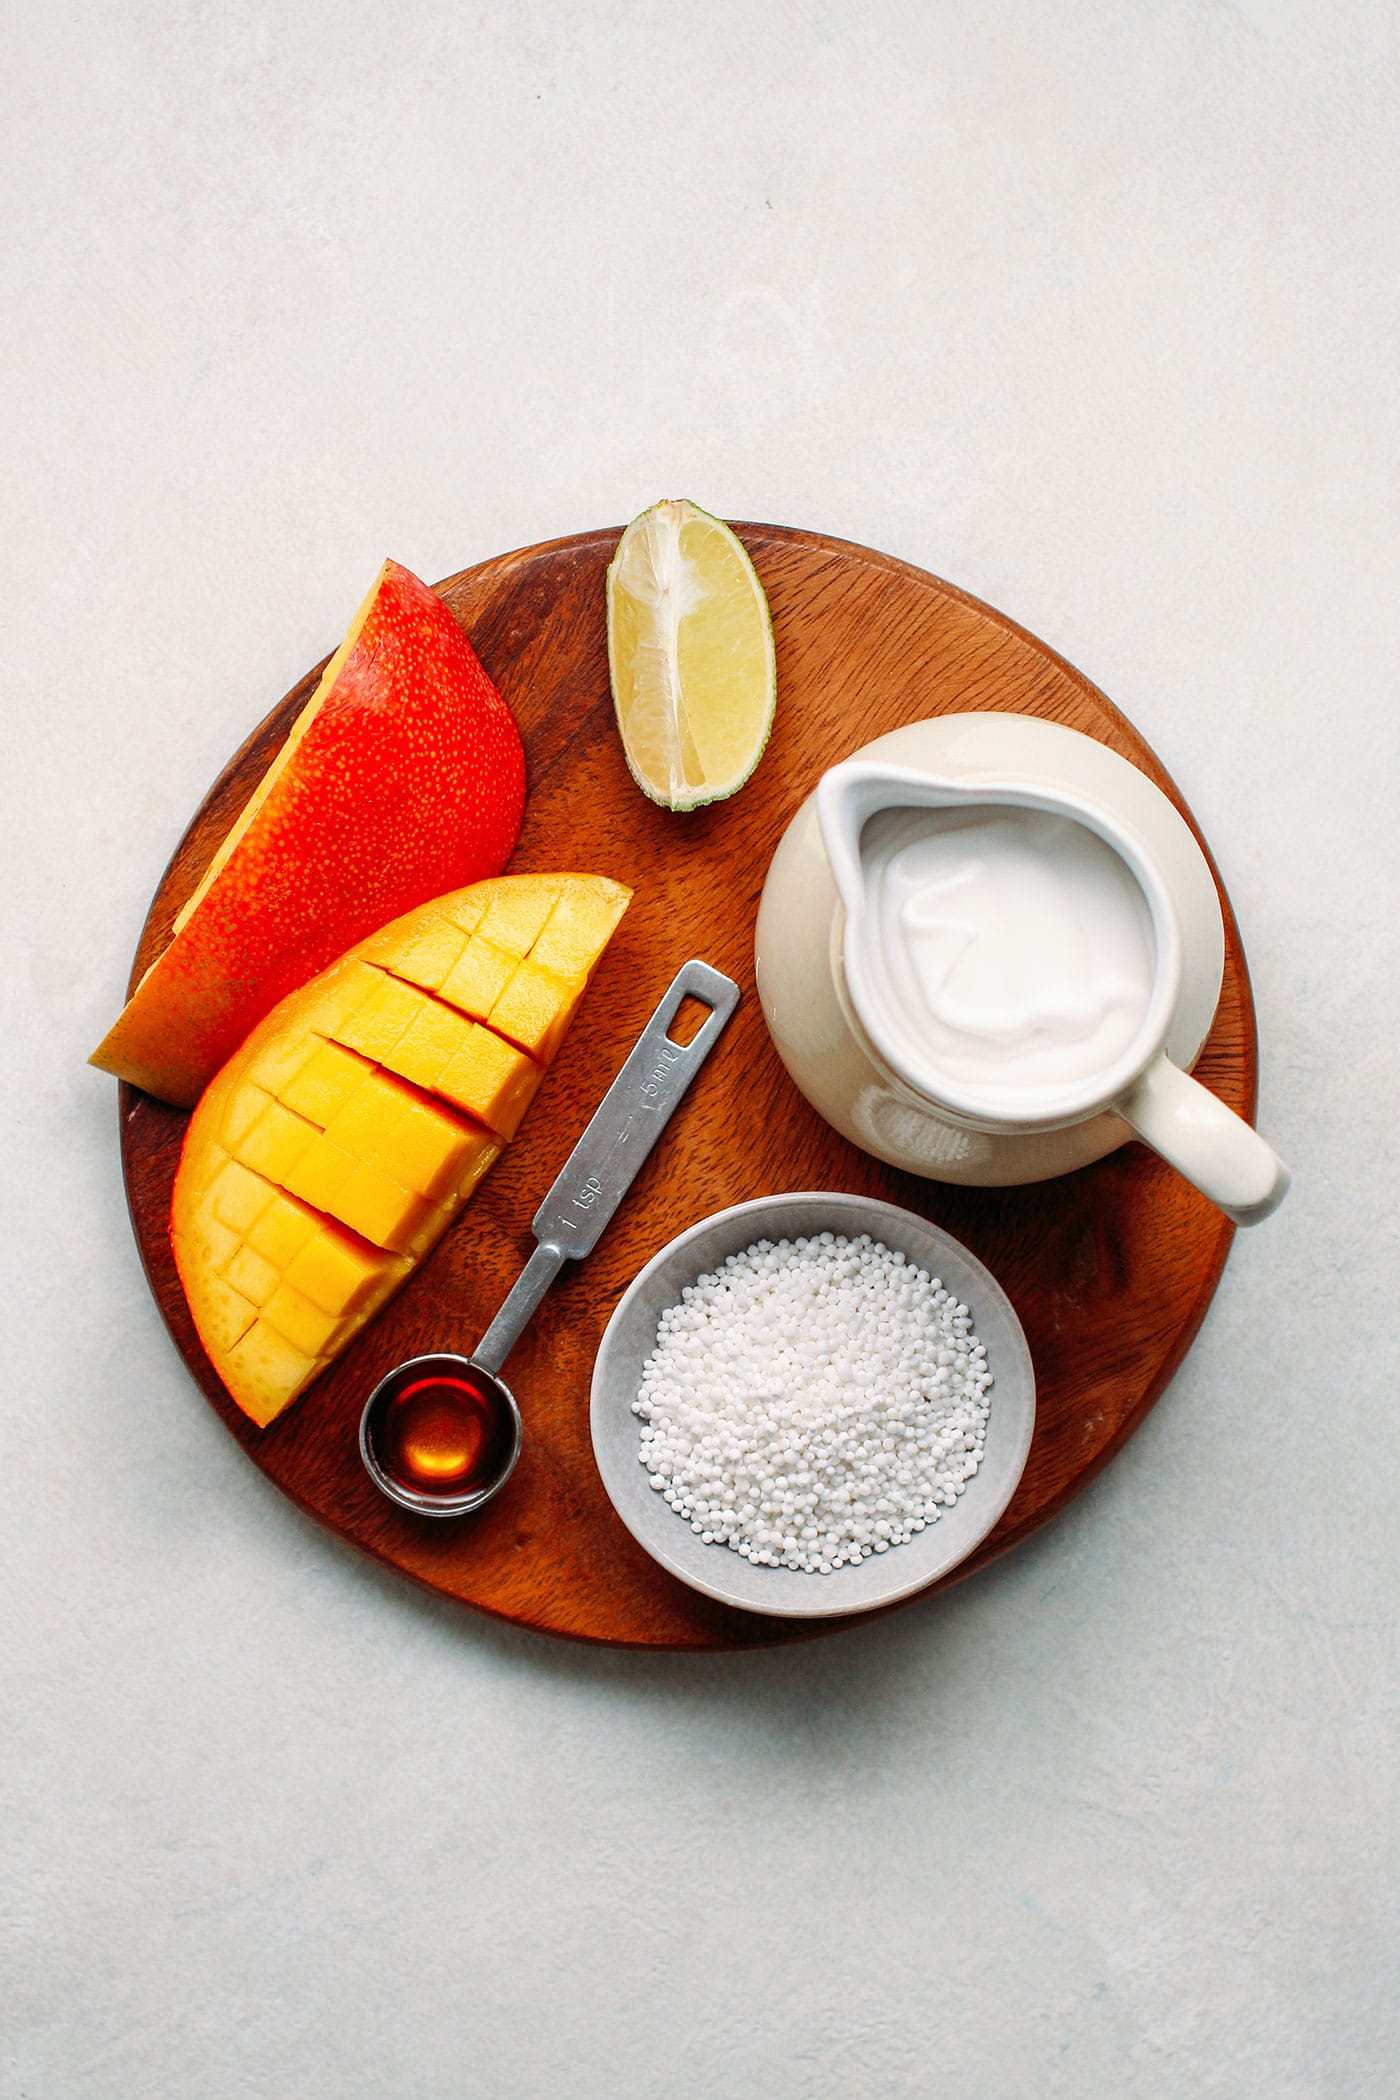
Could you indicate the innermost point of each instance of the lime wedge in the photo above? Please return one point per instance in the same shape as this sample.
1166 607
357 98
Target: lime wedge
690 652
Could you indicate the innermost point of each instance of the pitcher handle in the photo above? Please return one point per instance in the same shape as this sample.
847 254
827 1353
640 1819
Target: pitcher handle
1207 1142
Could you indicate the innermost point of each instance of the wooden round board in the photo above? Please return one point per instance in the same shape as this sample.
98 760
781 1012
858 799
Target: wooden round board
1110 1269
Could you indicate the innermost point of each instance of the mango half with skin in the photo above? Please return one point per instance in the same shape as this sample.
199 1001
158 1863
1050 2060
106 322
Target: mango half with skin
403 776
338 1143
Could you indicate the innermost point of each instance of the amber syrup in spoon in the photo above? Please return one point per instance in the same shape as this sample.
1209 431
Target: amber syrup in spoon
441 1430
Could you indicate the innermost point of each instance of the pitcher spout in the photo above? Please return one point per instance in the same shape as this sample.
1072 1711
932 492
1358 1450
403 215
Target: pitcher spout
849 795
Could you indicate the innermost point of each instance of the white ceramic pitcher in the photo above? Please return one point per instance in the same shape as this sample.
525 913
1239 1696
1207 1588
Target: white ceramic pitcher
826 1019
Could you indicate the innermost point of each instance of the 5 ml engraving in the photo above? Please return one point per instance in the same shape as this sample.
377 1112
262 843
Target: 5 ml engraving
665 1058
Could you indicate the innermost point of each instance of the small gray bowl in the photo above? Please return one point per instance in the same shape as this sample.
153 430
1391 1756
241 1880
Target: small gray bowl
790 1593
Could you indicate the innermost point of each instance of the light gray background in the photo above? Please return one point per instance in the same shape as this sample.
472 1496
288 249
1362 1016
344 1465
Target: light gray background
1089 307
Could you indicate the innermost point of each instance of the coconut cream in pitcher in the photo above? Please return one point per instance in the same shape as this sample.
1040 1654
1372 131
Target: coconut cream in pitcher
1011 948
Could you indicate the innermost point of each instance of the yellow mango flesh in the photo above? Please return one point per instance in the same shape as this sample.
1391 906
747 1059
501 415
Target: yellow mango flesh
337 1144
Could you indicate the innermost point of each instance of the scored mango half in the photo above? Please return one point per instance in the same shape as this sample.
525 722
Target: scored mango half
336 1145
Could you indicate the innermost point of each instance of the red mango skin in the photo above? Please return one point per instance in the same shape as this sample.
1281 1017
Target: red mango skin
408 782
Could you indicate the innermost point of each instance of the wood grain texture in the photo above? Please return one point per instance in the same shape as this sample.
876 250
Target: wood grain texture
1110 1269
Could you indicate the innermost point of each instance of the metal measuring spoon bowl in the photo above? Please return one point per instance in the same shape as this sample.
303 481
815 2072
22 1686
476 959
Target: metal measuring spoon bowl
426 1434
440 1435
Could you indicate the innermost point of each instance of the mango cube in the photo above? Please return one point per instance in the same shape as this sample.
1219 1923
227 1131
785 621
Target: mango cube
583 920
253 1275
264 1371
320 1175
466 908
224 1315
379 1208
306 1326
282 1228
423 955
323 1082
480 975
440 1216
274 1142
339 1273
516 911
221 1241
237 1196
276 1064
381 1016
431 1042
492 1080
535 1009
239 1111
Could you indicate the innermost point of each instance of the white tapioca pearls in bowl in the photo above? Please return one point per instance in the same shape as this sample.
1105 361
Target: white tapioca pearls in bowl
813 1402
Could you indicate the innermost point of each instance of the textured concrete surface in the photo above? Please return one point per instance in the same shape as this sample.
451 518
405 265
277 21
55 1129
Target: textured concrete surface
1091 308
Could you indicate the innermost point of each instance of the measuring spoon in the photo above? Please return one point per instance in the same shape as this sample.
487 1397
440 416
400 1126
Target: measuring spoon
452 1420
